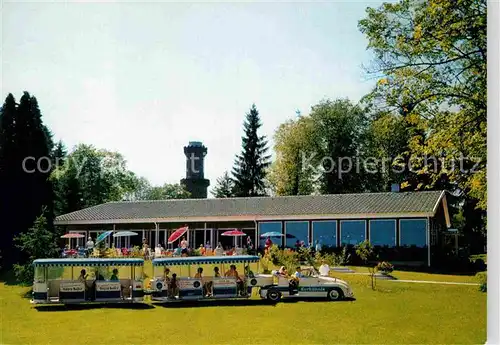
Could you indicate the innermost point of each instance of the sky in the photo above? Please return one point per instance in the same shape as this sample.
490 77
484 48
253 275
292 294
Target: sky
144 79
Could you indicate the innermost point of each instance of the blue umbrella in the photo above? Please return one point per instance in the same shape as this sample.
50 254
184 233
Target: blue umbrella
272 234
102 236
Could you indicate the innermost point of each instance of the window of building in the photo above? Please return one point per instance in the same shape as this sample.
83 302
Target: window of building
270 227
352 231
300 231
383 232
413 232
325 232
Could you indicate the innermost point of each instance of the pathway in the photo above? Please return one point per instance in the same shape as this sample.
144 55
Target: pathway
423 281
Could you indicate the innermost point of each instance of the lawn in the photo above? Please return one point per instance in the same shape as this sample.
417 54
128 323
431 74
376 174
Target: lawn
395 313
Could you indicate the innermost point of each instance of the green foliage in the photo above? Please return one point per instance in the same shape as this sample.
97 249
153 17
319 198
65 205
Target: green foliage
430 58
365 251
283 257
91 177
25 189
292 141
265 263
167 191
482 277
224 186
339 129
250 166
38 242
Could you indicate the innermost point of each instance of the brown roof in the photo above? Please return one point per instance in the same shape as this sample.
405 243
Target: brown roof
363 205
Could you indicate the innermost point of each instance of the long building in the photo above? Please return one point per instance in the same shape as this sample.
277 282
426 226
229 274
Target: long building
392 219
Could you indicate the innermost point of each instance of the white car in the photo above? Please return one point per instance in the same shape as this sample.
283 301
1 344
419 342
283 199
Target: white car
310 285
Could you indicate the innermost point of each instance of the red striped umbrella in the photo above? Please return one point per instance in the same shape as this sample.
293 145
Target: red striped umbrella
72 235
234 232
177 234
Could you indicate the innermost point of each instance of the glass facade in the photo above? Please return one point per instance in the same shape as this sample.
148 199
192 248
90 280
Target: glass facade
413 232
325 232
299 231
352 231
270 227
383 232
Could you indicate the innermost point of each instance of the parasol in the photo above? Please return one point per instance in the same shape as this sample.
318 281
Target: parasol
125 234
72 235
177 234
234 232
272 234
276 234
103 236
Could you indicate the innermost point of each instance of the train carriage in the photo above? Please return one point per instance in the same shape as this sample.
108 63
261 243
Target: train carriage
70 281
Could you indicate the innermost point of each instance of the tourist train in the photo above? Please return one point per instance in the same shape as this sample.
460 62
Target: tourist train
121 280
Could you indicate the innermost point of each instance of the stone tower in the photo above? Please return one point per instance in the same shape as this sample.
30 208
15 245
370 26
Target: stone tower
195 181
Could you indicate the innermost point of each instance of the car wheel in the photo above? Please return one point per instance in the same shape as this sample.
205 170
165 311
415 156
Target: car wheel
273 295
335 294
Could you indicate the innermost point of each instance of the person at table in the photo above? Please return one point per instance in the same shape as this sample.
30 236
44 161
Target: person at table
269 243
216 272
89 246
184 247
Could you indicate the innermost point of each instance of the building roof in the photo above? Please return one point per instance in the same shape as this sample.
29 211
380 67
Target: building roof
337 206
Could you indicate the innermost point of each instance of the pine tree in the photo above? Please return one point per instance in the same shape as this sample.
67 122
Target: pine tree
59 154
224 186
26 188
249 170
8 152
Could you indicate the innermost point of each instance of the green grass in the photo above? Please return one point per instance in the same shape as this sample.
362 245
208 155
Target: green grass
395 313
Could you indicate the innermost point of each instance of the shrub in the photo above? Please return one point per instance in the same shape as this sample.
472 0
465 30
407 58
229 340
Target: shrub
385 267
482 277
38 242
264 262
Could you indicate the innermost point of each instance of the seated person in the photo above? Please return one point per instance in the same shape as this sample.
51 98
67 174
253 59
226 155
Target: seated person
114 276
82 278
324 269
216 272
294 281
282 271
166 276
239 282
173 286
248 272
207 286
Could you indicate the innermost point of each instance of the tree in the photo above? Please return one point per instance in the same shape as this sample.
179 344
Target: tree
430 59
25 165
386 141
338 132
91 177
143 190
365 252
289 175
249 170
38 242
168 191
224 186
